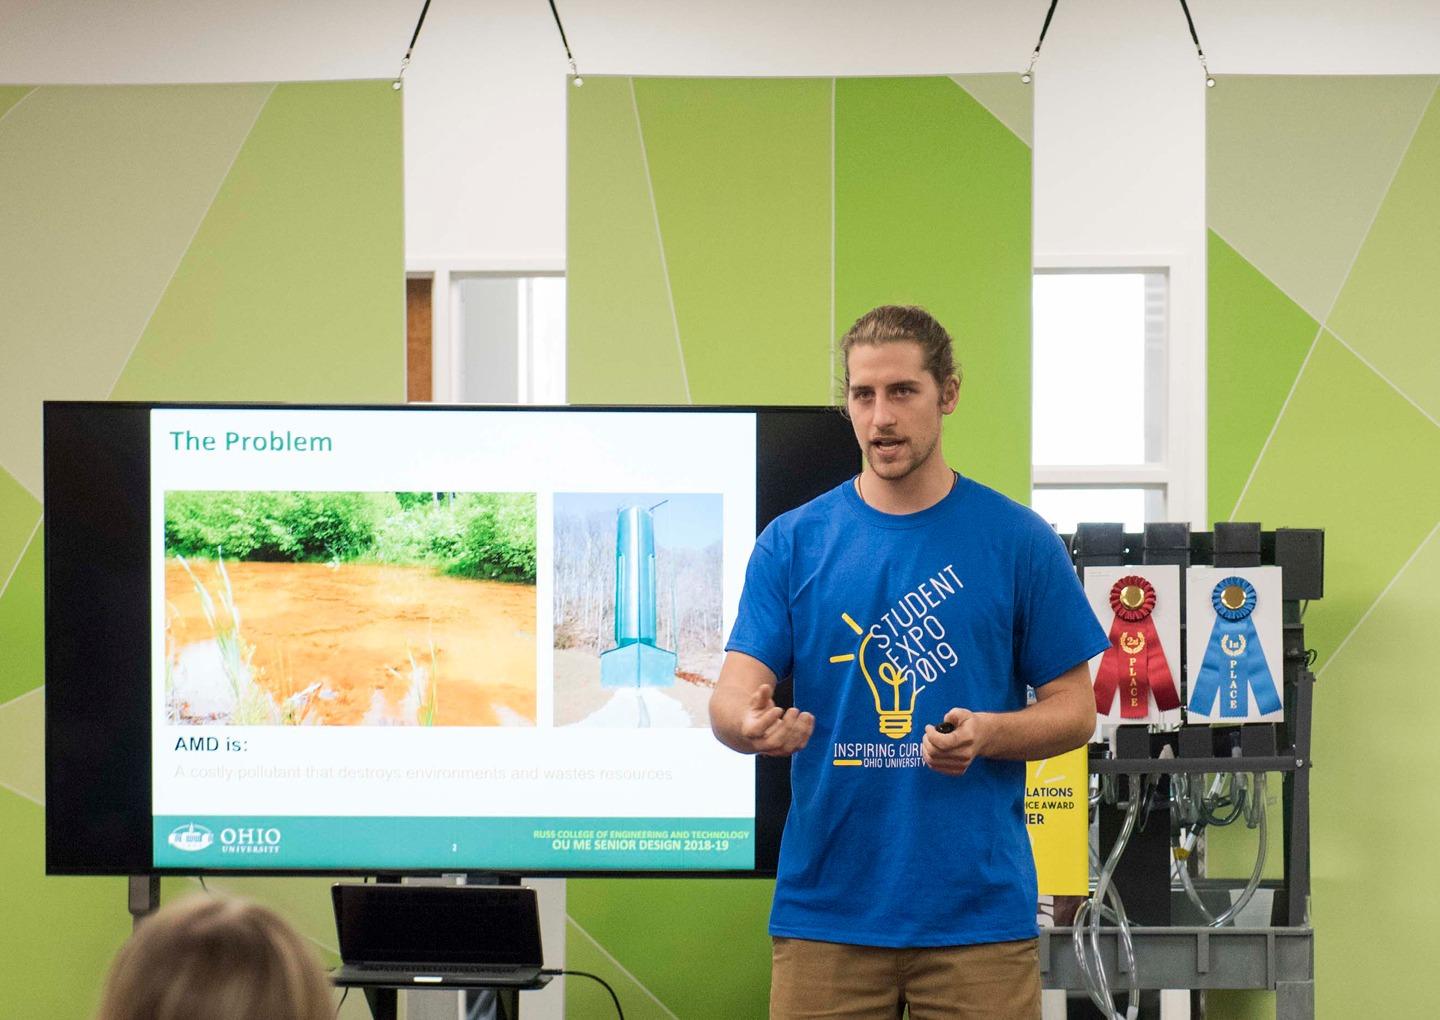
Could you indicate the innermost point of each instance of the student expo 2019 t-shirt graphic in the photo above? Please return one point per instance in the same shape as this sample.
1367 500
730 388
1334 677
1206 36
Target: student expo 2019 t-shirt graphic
886 622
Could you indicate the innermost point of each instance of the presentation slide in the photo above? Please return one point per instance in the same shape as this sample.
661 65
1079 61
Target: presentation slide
446 640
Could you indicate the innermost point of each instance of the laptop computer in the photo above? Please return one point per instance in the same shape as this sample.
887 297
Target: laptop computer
426 936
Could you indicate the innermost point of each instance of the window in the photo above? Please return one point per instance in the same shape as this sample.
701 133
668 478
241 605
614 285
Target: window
494 338
1065 506
1112 432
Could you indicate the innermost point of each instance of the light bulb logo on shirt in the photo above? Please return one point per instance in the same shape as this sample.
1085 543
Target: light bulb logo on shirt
894 712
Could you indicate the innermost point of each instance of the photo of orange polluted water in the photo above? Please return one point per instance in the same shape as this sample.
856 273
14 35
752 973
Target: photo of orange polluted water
350 609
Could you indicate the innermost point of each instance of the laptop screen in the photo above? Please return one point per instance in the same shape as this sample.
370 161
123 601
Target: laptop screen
473 925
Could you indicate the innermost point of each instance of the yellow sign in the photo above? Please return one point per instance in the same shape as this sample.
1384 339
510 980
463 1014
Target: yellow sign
1056 817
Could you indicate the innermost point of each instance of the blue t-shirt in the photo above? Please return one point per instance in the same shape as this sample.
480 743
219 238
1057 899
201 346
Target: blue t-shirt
887 622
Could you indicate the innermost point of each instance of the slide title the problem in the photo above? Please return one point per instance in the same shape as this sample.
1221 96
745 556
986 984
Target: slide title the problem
185 441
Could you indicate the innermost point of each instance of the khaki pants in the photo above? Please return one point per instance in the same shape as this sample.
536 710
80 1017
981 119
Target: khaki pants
993 981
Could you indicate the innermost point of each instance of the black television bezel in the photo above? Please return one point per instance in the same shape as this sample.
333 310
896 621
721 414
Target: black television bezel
98 817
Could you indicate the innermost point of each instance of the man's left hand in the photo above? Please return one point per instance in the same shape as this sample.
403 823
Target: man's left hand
951 753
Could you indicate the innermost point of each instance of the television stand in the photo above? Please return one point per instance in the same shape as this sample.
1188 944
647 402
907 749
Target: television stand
144 897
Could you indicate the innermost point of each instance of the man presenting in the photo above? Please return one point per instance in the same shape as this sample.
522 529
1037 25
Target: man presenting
912 606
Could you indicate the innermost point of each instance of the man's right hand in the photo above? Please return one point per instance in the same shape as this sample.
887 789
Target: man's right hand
769 729
743 713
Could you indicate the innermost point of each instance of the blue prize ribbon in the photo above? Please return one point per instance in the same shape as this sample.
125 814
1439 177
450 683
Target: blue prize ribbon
1234 662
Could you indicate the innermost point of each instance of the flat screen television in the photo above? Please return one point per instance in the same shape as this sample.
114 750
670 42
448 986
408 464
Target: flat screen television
367 640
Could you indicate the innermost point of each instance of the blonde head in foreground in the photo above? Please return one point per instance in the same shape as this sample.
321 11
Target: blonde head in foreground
218 958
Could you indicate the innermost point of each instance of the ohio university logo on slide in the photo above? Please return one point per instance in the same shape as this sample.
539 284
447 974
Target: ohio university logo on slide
190 837
193 837
250 840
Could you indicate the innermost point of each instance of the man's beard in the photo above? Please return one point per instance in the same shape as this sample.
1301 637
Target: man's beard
894 471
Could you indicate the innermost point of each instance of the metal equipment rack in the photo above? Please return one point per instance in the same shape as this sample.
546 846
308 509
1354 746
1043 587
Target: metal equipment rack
1280 957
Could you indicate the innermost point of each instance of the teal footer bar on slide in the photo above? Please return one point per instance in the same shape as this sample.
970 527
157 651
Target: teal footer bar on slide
258 842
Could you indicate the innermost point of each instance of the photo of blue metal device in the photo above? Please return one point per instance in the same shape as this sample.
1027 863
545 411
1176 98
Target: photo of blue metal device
636 660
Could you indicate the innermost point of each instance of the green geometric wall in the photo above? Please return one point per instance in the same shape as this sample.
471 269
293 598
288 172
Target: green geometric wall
723 233
217 242
1324 410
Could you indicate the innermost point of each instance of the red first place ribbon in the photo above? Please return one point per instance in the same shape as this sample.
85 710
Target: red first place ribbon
1135 663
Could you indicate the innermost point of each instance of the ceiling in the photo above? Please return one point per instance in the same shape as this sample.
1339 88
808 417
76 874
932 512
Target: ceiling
135 41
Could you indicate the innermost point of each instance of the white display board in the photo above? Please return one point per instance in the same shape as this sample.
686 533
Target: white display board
1234 645
1127 677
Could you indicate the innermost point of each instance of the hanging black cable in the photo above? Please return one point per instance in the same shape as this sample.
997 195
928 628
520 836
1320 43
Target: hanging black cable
1195 37
414 36
559 972
574 71
1028 75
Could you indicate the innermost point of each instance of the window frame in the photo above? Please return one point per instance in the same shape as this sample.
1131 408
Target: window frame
1180 471
535 383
